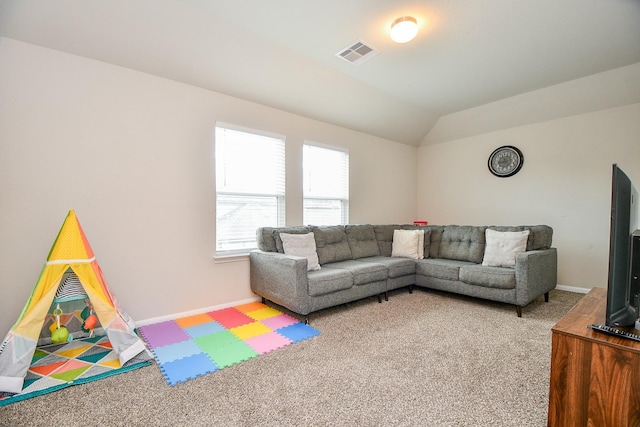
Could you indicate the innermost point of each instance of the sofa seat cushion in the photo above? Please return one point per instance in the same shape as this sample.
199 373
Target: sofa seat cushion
398 267
362 272
489 277
440 268
326 281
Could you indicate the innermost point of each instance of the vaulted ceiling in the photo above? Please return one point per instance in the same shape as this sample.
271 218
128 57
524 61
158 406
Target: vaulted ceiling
282 53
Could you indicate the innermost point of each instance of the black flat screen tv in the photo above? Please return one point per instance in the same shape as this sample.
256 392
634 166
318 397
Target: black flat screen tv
624 253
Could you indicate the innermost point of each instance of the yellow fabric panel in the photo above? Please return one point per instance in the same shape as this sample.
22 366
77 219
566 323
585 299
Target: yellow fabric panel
71 242
41 299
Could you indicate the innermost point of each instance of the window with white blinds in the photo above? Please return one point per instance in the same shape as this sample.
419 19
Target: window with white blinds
250 186
326 185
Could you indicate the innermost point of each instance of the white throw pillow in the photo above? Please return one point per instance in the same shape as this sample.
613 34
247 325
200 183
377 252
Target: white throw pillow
303 245
501 247
408 244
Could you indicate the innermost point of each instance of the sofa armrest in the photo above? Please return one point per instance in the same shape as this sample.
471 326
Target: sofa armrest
280 278
536 274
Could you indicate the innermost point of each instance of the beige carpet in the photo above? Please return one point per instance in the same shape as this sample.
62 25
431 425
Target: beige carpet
421 359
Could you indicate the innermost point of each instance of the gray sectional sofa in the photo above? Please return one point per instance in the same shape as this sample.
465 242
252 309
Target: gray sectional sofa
355 261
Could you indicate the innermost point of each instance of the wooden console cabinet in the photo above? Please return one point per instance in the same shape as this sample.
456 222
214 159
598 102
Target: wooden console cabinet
595 378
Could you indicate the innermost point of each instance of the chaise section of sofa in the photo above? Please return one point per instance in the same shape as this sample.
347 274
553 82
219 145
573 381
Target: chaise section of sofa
355 262
456 266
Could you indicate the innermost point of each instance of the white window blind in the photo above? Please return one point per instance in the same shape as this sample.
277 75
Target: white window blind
326 185
250 187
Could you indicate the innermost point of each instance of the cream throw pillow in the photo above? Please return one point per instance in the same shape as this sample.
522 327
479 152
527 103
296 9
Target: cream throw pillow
408 244
303 245
501 247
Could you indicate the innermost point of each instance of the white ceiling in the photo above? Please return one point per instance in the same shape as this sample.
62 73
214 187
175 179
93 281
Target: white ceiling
281 53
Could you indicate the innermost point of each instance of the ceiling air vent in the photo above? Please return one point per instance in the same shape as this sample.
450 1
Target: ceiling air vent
357 53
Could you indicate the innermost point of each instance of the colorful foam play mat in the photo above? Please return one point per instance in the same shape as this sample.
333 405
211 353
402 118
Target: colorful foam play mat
197 345
82 360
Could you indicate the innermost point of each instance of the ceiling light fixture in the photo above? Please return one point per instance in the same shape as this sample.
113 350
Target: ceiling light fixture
404 29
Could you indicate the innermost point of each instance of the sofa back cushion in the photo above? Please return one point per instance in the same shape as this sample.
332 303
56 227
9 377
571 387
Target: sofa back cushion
362 240
463 243
331 243
540 236
435 232
384 237
265 240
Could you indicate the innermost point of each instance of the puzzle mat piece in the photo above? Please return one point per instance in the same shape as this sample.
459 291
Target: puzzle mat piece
187 368
164 333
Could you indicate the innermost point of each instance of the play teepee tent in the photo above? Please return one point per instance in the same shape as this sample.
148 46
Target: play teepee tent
71 256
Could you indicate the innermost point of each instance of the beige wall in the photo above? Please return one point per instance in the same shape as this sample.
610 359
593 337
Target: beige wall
565 182
133 155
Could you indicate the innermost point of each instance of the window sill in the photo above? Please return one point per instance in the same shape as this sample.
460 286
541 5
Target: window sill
222 258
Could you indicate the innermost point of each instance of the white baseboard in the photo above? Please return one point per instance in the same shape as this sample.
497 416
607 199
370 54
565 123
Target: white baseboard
573 289
193 312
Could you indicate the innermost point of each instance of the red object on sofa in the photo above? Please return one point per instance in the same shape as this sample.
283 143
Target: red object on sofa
420 223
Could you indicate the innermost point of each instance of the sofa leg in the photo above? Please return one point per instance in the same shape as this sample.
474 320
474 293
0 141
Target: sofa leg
519 310
379 298
546 297
386 296
410 289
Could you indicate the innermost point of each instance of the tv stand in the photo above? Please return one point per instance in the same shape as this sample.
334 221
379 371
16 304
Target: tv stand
595 378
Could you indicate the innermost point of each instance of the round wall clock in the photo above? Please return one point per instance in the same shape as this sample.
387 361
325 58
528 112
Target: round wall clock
505 161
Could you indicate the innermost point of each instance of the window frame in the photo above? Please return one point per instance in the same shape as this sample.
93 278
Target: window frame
279 196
